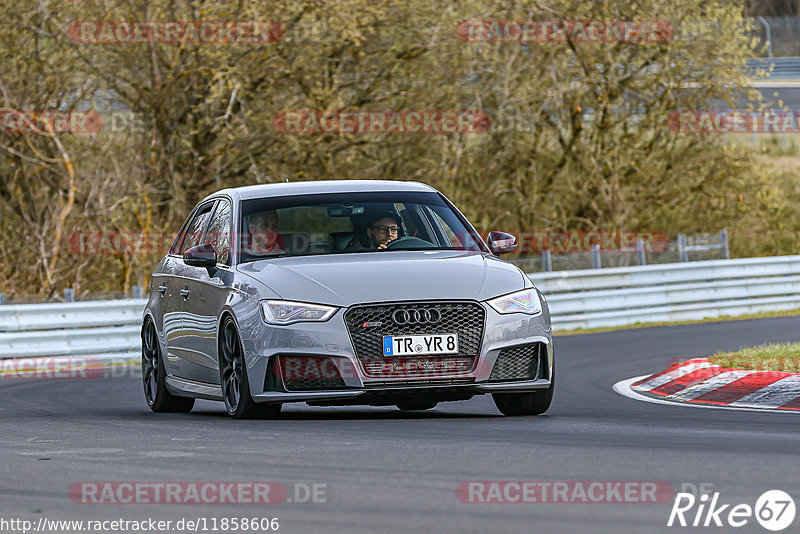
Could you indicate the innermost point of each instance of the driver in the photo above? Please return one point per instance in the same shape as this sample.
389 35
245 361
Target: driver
383 230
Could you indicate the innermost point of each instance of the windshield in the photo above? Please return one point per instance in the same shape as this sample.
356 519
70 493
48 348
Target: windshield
348 223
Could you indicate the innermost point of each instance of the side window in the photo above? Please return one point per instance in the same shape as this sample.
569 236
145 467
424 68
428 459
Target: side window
448 232
194 232
412 228
446 222
219 232
176 245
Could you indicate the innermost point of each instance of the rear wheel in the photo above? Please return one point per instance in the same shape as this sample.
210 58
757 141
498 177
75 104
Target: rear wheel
233 377
153 376
412 405
533 403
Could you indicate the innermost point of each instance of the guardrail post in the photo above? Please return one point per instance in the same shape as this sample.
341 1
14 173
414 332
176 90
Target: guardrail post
763 21
547 260
69 294
723 239
683 254
137 292
596 260
640 254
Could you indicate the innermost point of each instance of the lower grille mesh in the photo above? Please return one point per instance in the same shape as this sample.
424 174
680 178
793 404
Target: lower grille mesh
517 363
304 373
305 384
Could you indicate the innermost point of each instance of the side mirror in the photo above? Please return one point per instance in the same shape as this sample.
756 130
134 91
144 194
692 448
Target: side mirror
201 256
501 243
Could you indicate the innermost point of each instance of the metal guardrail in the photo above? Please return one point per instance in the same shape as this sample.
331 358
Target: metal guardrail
670 292
778 68
578 299
137 292
27 317
85 341
779 34
579 254
75 328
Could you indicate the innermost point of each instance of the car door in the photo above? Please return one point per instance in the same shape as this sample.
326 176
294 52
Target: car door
166 281
182 354
167 287
208 291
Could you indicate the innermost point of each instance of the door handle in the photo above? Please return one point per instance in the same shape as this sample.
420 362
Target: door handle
162 289
185 292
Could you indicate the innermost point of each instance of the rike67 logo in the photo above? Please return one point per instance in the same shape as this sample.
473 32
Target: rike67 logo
774 510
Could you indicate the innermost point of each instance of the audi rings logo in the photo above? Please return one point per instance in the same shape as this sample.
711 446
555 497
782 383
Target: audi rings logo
416 316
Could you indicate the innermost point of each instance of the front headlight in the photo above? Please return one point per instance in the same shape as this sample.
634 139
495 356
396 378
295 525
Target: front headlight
283 312
525 301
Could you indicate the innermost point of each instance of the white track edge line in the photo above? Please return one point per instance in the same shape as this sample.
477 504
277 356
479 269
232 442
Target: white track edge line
623 387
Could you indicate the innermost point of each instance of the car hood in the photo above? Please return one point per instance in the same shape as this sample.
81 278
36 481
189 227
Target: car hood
347 279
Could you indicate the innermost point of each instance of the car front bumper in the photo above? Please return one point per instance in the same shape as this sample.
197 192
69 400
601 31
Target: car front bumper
331 339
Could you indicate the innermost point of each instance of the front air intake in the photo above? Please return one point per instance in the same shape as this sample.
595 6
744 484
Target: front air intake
520 362
308 373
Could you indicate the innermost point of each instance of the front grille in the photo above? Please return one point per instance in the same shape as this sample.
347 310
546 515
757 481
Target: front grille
368 324
517 363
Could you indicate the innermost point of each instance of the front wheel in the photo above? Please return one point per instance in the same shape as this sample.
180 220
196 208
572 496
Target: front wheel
153 376
233 377
532 403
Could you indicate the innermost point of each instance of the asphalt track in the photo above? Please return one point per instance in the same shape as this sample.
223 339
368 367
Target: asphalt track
388 471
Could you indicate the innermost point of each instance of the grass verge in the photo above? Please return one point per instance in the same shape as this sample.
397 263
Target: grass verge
778 357
722 318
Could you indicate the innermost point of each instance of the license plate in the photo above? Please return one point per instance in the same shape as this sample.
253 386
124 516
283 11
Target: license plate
420 345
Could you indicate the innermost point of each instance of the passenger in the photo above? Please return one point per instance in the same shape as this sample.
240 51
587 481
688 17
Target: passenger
263 228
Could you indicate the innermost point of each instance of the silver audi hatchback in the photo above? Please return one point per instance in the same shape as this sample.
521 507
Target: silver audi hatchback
340 293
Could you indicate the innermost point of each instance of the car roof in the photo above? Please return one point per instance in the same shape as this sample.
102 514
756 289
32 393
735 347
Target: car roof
282 189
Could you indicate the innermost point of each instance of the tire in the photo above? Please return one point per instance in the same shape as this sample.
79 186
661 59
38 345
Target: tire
417 405
233 377
532 403
158 398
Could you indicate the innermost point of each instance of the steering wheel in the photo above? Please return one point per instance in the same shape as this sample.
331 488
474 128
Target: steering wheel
410 242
